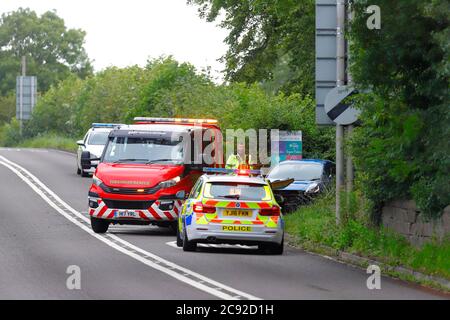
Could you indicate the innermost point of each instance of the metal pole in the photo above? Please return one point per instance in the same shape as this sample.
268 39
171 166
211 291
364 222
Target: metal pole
349 164
24 72
339 170
340 81
350 175
24 66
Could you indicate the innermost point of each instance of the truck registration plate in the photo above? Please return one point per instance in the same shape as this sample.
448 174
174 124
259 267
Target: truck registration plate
126 214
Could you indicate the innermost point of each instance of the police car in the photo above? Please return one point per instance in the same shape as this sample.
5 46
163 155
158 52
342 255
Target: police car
94 142
233 208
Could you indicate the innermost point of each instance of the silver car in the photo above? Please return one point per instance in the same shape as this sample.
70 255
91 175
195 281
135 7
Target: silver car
94 141
233 209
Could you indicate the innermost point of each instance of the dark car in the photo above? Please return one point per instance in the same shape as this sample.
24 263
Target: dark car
311 177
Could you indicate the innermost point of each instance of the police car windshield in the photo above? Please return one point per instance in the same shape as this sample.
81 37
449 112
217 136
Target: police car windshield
145 150
98 138
297 171
238 191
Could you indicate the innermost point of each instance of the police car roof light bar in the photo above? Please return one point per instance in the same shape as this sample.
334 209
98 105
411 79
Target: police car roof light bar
244 172
175 120
106 125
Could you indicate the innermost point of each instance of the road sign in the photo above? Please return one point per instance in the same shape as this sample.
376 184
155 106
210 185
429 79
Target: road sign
337 110
326 66
26 95
288 146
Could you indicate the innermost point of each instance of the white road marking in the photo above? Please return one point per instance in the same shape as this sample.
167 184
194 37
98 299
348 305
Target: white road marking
182 274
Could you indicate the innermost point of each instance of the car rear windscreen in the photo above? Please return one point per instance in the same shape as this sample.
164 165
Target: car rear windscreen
237 191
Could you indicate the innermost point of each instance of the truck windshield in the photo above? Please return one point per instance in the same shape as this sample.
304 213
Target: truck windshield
143 150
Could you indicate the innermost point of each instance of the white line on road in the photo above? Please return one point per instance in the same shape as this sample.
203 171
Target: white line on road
187 276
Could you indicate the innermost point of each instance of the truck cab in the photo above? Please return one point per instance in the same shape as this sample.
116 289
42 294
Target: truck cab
148 168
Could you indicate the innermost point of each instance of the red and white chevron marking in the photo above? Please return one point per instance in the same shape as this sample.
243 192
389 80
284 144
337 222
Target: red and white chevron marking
151 214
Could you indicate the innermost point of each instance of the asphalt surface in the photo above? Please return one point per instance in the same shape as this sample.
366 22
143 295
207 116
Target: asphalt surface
37 244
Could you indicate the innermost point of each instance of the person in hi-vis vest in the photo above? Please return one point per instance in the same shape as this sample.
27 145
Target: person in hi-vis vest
238 160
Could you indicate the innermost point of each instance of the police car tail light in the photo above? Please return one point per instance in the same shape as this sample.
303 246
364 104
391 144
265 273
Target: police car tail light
201 208
274 211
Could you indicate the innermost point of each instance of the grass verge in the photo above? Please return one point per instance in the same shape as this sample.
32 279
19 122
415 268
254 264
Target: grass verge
50 141
314 227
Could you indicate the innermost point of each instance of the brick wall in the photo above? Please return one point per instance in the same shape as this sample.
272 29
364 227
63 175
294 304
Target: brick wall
403 217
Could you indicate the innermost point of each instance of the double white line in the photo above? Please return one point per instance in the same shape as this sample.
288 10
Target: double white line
182 274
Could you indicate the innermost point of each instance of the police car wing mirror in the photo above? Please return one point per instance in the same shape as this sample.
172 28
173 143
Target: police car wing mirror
280 184
81 143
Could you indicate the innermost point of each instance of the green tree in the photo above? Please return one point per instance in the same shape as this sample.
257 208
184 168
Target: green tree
110 96
263 34
56 110
53 52
403 147
7 108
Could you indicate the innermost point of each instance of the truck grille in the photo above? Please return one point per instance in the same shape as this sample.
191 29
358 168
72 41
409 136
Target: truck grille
118 204
133 191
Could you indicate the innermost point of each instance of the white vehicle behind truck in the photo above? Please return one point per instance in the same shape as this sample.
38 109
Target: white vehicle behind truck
94 142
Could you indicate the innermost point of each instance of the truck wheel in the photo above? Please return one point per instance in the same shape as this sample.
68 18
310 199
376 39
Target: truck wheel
173 227
188 245
99 225
78 171
179 240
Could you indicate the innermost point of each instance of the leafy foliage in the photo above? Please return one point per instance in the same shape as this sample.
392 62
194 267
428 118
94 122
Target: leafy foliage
53 52
264 36
403 147
166 88
314 225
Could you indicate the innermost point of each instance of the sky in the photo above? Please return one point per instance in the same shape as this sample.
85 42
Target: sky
128 32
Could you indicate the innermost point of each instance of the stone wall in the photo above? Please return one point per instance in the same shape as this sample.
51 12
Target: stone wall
403 217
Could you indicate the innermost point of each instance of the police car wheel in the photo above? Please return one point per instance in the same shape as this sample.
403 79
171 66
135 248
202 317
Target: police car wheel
188 245
179 240
277 248
272 248
99 225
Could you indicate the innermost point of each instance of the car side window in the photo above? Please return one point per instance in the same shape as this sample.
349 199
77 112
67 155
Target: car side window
196 189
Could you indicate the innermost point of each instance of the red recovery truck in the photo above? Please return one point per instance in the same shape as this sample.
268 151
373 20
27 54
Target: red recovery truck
147 168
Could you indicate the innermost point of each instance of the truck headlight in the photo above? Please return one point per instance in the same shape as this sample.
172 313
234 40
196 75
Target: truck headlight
313 188
96 181
169 183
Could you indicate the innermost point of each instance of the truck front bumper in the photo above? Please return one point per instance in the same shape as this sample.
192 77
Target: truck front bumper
144 211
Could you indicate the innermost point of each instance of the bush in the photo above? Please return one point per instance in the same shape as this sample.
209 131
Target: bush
10 134
402 149
166 88
315 225
50 141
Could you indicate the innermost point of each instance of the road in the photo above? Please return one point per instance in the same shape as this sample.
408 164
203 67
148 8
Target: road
44 230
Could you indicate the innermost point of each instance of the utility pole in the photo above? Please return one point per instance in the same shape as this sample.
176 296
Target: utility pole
340 81
350 175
